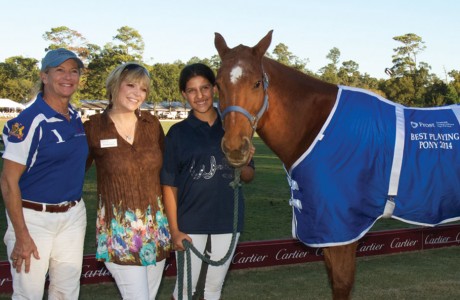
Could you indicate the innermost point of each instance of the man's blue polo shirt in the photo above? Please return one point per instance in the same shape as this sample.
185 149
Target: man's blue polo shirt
53 149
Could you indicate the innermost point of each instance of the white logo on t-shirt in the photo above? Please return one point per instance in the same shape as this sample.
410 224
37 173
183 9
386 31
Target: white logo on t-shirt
60 140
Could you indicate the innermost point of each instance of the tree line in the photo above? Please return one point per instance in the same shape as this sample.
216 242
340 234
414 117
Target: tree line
410 82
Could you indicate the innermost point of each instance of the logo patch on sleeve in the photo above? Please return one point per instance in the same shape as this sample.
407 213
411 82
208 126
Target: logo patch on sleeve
16 131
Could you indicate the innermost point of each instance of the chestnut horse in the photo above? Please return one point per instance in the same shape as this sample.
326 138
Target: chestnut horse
289 109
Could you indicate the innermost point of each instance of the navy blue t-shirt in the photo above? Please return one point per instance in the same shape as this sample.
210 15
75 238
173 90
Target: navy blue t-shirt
195 164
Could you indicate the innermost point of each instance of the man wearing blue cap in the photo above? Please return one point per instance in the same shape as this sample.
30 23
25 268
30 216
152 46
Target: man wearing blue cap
42 184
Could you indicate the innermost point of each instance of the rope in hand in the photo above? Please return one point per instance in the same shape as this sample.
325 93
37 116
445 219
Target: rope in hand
235 184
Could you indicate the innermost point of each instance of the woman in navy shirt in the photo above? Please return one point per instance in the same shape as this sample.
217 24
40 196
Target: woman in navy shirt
196 176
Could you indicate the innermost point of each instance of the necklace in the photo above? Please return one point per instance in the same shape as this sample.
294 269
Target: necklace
65 115
129 138
127 133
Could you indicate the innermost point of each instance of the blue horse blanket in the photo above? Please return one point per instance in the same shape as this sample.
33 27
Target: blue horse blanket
374 158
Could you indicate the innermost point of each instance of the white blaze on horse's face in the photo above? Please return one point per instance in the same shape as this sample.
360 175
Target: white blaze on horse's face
236 74
237 148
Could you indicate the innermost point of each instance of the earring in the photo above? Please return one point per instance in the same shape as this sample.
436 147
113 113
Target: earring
139 112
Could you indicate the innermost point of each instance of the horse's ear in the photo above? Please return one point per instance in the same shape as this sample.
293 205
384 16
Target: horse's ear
220 44
263 44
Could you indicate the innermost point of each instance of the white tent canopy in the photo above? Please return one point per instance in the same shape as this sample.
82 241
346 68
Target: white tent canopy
7 103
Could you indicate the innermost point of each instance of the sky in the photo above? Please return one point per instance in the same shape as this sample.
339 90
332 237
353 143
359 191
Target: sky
363 31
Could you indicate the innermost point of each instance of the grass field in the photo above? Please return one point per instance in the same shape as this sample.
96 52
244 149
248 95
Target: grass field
427 275
433 274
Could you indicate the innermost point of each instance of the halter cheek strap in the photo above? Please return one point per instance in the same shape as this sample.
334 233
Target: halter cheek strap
253 119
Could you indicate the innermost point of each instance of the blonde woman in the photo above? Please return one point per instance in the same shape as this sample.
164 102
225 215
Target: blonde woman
126 145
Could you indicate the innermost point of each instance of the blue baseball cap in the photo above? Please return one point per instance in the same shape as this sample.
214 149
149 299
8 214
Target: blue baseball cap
56 57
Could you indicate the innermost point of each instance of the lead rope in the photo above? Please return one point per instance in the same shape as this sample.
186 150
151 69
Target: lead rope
235 184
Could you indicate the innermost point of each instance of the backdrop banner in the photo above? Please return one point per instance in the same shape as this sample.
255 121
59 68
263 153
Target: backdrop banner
284 252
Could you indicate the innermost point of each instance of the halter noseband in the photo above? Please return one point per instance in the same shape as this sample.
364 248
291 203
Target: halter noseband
253 119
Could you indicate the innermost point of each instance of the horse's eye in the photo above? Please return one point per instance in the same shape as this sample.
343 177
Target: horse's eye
257 84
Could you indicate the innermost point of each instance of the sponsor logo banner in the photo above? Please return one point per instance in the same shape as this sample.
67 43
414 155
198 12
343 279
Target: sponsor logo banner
283 252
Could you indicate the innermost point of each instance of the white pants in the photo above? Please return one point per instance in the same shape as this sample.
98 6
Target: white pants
59 238
216 274
137 282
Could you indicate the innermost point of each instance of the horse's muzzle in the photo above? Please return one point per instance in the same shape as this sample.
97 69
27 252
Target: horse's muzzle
237 155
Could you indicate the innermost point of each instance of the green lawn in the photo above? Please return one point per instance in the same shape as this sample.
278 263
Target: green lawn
424 275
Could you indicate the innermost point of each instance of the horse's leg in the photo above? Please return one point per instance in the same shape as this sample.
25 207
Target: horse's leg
341 264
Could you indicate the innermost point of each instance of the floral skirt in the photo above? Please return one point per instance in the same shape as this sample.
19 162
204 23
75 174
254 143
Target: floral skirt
132 237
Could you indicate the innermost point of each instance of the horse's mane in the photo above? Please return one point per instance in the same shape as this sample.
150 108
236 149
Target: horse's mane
295 81
305 101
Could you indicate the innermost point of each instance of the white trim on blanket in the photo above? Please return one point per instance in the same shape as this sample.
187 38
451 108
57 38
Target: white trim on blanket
456 110
320 134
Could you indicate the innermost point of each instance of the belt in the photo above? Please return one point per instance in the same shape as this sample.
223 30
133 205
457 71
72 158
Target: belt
52 208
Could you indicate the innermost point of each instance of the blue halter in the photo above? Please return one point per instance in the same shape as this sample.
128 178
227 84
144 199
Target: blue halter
253 119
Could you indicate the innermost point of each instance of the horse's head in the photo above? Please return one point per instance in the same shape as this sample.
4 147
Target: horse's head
243 97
